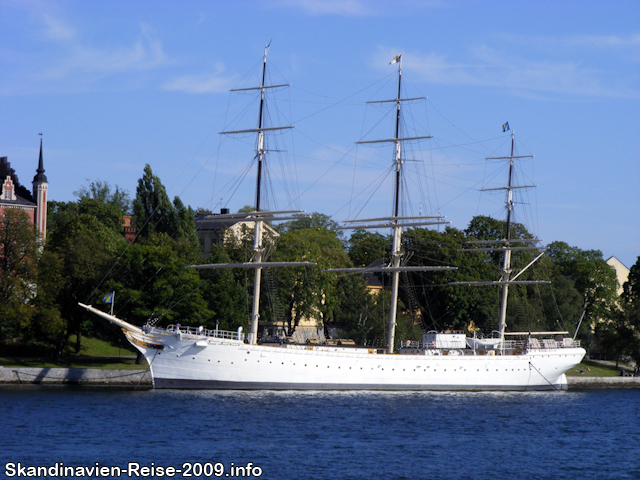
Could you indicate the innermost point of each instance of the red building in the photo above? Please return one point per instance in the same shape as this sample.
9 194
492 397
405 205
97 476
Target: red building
14 195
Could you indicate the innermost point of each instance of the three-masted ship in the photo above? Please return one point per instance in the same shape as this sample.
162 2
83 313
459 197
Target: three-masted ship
192 357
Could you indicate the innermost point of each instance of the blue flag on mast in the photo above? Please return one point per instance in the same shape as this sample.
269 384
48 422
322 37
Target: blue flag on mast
108 298
505 127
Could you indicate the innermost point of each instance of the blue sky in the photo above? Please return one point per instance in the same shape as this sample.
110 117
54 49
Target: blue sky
116 85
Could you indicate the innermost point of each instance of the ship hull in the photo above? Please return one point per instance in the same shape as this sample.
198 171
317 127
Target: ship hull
181 361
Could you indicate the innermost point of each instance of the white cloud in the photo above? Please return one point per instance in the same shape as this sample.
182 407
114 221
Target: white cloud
56 29
204 83
330 7
490 67
358 8
146 53
603 41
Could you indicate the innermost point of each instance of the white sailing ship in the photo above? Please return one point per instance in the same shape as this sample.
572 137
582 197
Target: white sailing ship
193 357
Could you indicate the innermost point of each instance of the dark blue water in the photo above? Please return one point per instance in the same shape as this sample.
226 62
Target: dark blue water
579 434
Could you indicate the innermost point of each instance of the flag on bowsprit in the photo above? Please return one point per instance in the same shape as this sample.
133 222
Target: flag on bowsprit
395 59
505 127
108 298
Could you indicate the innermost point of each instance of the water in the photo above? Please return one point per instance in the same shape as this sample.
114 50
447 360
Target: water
585 434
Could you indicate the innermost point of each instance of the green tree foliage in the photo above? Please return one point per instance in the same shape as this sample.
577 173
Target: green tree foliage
59 214
560 303
101 192
151 283
86 248
152 209
225 295
624 332
153 213
631 288
447 306
368 247
594 280
19 251
309 292
49 325
316 221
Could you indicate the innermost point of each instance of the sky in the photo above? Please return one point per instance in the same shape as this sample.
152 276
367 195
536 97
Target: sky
113 86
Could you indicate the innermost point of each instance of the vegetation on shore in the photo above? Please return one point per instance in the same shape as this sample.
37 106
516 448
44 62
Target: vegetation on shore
94 353
589 368
86 256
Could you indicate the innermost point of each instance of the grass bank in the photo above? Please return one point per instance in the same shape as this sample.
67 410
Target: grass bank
588 368
94 353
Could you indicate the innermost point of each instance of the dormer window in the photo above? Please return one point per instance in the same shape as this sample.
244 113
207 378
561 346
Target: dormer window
8 189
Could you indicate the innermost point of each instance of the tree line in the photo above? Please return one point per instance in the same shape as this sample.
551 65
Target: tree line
86 256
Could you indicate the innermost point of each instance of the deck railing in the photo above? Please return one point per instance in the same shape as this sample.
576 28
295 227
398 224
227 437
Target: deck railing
226 334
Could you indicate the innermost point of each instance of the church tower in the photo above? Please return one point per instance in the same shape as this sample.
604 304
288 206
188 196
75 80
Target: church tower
40 187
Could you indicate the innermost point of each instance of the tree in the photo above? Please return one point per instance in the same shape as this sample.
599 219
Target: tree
109 215
152 284
152 210
49 325
560 304
225 296
101 192
87 250
367 247
594 280
630 312
59 214
309 292
19 251
154 213
445 306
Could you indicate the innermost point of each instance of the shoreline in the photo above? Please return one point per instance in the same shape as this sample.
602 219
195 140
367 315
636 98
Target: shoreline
141 378
90 377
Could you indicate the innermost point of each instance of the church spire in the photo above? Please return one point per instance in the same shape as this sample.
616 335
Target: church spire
40 177
40 189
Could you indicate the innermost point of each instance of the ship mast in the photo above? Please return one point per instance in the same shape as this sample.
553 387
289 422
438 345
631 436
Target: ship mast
505 273
258 217
397 229
396 221
258 249
507 245
506 261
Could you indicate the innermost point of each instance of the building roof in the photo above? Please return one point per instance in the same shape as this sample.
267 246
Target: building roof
217 222
23 195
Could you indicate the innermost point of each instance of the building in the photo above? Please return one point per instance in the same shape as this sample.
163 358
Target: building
622 272
218 229
15 195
